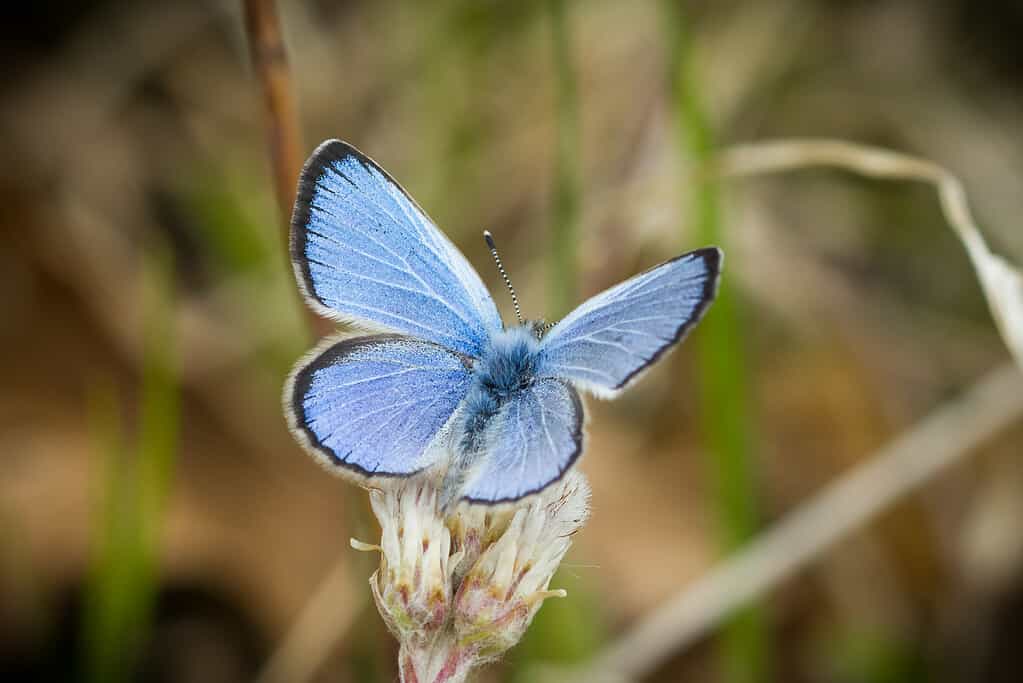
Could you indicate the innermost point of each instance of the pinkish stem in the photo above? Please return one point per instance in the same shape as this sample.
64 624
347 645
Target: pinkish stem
450 667
454 670
407 670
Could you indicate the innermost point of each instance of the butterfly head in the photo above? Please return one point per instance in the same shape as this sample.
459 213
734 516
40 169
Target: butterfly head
538 327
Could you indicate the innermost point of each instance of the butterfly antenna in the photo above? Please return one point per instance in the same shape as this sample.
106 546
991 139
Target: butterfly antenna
500 268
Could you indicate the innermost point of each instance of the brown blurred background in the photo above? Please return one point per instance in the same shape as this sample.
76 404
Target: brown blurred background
149 318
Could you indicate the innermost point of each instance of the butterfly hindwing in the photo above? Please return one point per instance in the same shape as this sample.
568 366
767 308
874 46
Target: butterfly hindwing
364 252
604 343
534 438
374 405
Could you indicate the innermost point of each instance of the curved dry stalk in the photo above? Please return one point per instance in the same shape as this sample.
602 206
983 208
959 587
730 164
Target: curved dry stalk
1001 282
897 470
937 441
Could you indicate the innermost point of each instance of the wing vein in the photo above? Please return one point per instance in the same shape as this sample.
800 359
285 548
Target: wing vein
522 439
617 301
546 429
408 266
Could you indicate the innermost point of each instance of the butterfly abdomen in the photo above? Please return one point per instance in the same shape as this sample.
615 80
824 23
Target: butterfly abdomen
479 408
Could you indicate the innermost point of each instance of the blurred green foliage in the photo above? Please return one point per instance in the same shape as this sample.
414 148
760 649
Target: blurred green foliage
241 240
236 241
122 583
566 631
567 189
723 381
873 655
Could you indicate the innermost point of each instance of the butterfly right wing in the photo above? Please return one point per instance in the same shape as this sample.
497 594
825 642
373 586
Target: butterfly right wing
606 342
375 406
364 252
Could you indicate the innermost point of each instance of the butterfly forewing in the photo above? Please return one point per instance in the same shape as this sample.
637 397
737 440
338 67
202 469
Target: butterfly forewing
364 252
374 405
609 339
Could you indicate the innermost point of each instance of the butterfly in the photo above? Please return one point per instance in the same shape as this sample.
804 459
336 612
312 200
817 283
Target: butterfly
442 384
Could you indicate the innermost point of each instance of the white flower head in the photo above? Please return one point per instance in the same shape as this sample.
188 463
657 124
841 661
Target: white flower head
412 587
460 590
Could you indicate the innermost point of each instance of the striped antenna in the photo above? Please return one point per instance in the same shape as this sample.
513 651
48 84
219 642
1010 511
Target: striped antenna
500 268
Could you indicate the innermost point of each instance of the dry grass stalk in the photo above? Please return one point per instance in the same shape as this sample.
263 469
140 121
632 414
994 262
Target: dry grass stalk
896 471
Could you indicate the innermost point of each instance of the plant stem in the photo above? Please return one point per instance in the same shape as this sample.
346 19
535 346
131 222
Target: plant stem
270 62
726 422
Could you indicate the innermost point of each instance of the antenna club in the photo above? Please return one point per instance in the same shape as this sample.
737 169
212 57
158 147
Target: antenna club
504 276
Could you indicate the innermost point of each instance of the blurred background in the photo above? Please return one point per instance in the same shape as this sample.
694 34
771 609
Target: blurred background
158 522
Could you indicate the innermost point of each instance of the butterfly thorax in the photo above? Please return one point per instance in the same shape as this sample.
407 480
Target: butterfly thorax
508 362
507 365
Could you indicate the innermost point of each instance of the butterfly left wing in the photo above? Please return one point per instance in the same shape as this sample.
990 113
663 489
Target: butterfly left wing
531 442
375 405
364 252
607 341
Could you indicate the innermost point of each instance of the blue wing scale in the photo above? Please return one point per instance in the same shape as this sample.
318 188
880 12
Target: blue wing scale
364 252
530 443
375 405
607 341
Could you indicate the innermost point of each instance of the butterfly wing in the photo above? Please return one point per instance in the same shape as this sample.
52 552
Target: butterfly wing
530 443
375 405
603 344
364 252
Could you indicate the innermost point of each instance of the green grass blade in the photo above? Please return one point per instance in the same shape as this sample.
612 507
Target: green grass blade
101 650
122 582
160 427
567 187
723 377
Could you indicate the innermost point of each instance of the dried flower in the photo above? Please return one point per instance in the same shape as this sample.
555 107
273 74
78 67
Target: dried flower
460 590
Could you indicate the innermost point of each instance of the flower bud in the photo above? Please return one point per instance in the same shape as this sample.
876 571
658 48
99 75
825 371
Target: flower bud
501 593
412 586
461 590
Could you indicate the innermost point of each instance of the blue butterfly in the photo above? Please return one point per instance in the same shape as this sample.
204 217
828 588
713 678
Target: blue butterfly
443 383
